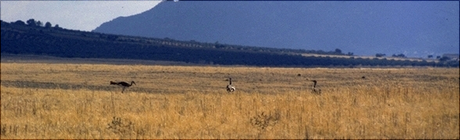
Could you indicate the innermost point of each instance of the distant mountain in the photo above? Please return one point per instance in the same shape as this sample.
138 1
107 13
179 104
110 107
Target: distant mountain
364 28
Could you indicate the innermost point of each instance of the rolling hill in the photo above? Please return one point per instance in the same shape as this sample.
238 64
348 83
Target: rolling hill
20 38
416 29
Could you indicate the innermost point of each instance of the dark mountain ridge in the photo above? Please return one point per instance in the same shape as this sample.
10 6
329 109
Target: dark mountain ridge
363 28
210 22
19 38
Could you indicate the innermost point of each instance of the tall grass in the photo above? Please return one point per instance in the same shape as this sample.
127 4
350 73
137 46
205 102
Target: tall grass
191 102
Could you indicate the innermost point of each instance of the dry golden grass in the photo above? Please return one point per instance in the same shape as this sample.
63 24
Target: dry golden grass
73 101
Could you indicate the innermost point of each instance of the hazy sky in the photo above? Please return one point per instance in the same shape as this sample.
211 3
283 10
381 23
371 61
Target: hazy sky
78 15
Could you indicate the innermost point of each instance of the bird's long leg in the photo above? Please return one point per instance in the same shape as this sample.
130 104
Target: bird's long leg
123 89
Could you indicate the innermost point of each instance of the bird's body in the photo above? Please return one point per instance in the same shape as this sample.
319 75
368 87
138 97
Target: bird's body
230 87
122 84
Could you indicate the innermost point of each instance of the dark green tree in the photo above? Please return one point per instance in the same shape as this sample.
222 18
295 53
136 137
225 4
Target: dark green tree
444 58
48 25
39 23
338 51
380 55
19 22
31 22
399 55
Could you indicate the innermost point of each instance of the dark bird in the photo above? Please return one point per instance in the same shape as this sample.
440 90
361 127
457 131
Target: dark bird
122 84
316 90
230 87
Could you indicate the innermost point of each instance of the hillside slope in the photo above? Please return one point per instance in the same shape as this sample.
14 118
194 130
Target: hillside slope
363 28
51 41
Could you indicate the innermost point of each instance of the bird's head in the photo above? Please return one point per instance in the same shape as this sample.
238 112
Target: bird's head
132 82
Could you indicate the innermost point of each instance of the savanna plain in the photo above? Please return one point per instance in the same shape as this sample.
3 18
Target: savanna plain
76 101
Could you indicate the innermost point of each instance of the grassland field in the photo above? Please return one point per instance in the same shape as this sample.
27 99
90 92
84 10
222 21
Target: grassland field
75 101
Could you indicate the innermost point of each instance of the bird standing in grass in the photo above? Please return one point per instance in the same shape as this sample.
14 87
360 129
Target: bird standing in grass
230 87
316 90
122 84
